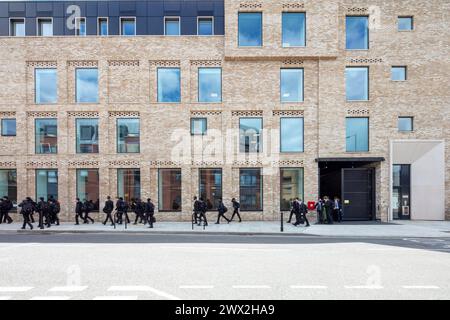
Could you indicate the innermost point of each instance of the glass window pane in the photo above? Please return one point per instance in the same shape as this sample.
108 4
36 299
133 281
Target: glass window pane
129 184
45 27
250 134
128 27
405 23
88 186
169 85
398 73
291 85
128 135
291 131
80 27
198 126
211 187
103 27
46 137
250 189
250 29
87 135
405 124
209 84
8 184
17 28
357 32
357 83
46 86
293 25
87 85
8 127
169 189
172 26
46 184
205 26
291 186
357 134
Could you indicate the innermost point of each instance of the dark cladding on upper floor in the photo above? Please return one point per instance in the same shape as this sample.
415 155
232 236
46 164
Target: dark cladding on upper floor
149 15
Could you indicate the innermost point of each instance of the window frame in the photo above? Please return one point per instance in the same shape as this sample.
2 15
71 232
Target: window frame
406 73
157 85
413 25
192 127
259 149
198 20
200 183
281 183
77 170
76 135
117 181
38 20
368 135
303 136
181 190
179 25
198 84
368 31
35 86
11 19
303 85
282 29
2 126
368 83
77 26
261 188
117 135
35 140
36 180
121 19
76 86
261 25
98 26
405 117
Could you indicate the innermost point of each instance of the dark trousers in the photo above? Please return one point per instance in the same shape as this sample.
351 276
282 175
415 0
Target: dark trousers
31 217
329 217
77 216
320 216
299 217
196 216
236 212
41 220
56 219
6 217
221 215
338 213
86 218
120 216
26 221
202 216
108 217
138 217
290 216
150 219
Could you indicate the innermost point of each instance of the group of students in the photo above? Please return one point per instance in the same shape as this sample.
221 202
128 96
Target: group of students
299 209
47 210
329 210
201 207
6 206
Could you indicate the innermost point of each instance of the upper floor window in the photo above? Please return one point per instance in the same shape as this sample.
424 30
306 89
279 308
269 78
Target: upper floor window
250 29
45 86
405 124
80 26
398 73
291 85
169 85
357 32
205 26
198 126
357 83
46 136
172 26
17 27
357 134
291 134
8 127
128 26
294 29
87 135
405 23
87 85
128 135
45 26
102 27
250 134
210 84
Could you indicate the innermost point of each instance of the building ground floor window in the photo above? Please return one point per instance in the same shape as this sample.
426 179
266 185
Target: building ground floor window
8 184
291 186
250 189
88 186
169 189
210 186
129 184
46 183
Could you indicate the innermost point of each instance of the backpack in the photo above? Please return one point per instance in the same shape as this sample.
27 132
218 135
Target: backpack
237 205
27 207
225 209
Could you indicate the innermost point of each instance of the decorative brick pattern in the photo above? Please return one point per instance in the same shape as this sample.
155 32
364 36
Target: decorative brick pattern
161 163
292 62
365 60
165 63
7 114
83 114
293 6
83 63
124 114
207 163
41 164
247 163
83 164
287 113
8 164
123 63
124 163
206 63
42 114
290 163
42 64
198 113
251 5
357 10
358 112
249 113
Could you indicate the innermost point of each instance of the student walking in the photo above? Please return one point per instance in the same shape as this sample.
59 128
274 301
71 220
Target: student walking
236 207
221 209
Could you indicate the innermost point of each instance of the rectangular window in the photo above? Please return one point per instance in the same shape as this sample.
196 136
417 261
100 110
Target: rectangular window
128 26
294 29
87 135
87 85
291 186
169 189
398 73
128 135
88 186
17 27
250 189
401 191
210 188
405 23
357 83
172 26
169 85
405 124
205 26
250 29
46 136
46 86
102 27
250 130
357 134
291 133
80 26
357 32
291 85
198 126
129 184
209 84
46 183
45 27
8 127
8 184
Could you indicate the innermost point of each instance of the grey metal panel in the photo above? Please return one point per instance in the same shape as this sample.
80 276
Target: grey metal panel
219 25
127 8
155 9
17 9
113 8
141 9
58 26
4 11
205 8
91 9
189 8
103 10
172 8
44 9
30 26
4 26
141 26
91 26
30 9
219 9
58 9
189 25
113 26
155 25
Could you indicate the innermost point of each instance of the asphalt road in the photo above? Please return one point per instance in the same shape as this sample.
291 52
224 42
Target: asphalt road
157 266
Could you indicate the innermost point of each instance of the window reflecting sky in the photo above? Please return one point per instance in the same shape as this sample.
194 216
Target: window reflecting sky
398 73
210 84
405 124
291 85
357 33
169 85
250 29
205 26
87 85
291 131
198 126
46 85
128 27
357 83
405 23
357 134
172 26
294 29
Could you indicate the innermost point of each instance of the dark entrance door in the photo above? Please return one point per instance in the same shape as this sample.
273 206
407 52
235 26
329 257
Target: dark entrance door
358 194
